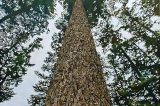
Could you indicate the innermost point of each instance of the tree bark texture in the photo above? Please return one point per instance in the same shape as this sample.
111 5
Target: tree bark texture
78 80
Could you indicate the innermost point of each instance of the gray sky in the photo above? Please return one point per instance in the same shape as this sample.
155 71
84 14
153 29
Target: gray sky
25 89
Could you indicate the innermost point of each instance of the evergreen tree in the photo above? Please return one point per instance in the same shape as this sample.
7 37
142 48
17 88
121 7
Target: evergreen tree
20 21
133 60
78 79
57 40
49 67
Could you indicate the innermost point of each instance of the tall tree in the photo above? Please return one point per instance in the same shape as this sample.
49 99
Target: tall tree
93 9
133 68
48 67
78 79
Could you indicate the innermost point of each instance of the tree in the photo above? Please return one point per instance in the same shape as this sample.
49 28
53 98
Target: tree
20 21
41 87
78 79
93 8
133 60
132 63
14 61
48 67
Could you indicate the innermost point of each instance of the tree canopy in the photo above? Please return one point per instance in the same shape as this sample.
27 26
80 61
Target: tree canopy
134 55
20 21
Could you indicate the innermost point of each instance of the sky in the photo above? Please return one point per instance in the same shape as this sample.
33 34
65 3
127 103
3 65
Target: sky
25 89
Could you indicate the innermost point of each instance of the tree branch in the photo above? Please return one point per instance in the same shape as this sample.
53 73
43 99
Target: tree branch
132 64
13 14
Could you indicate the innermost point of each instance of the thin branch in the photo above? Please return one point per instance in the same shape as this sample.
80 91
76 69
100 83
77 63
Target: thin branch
132 64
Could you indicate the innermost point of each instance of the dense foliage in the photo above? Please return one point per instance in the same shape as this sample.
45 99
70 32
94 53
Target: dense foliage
20 21
133 57
154 3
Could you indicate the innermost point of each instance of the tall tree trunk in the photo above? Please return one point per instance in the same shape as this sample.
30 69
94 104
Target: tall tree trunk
79 80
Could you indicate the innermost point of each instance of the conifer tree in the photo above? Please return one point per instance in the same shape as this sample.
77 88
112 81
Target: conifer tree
78 79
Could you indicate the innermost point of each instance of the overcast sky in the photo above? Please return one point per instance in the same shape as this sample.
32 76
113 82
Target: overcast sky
25 89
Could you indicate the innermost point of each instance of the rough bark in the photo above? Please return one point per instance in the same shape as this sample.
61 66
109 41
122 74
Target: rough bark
79 79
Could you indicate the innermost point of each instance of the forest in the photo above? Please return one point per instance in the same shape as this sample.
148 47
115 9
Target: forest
101 52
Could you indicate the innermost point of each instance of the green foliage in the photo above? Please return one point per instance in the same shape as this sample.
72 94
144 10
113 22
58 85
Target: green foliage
93 8
155 4
133 62
12 8
42 86
20 21
14 62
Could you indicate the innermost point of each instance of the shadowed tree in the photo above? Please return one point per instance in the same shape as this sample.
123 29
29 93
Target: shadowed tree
78 80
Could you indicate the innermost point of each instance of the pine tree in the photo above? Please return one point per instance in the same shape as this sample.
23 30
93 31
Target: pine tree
20 21
134 70
132 58
78 79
